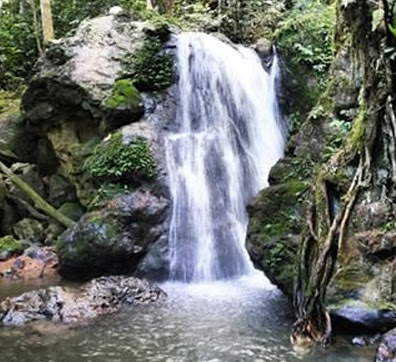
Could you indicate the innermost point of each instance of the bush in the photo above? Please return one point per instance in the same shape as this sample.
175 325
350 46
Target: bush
115 161
18 49
305 38
149 69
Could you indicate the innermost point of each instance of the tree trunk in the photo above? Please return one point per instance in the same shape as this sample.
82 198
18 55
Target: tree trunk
149 5
36 27
36 198
46 19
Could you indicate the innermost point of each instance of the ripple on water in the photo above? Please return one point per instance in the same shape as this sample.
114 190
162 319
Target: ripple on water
244 320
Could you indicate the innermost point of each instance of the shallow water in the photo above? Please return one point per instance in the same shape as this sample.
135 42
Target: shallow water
243 320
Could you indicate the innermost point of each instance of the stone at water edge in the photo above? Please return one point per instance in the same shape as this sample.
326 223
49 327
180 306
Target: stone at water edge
74 306
386 351
115 239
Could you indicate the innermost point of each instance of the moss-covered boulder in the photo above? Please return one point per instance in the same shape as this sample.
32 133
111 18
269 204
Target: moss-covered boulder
114 239
10 246
275 224
125 104
29 230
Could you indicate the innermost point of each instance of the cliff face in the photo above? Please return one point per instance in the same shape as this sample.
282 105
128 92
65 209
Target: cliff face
334 232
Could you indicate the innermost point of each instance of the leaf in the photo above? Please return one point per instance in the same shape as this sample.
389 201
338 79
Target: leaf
392 30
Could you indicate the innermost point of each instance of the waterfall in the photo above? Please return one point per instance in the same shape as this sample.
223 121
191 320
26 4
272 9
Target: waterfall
226 136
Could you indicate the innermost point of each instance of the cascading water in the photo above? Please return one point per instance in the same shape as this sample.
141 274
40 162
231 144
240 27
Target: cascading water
227 136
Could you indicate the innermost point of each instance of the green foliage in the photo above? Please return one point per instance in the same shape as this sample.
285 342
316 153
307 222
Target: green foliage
18 50
148 67
339 130
305 37
124 95
247 21
116 161
68 14
389 226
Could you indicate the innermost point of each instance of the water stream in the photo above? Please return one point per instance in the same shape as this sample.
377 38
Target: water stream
227 135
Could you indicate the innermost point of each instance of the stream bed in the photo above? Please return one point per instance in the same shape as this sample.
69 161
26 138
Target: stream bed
241 320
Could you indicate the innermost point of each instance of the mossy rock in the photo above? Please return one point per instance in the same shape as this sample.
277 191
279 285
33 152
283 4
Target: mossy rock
72 210
10 246
30 230
112 240
150 69
276 220
125 105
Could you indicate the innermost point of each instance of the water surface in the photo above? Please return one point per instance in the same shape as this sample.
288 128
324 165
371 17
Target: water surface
236 321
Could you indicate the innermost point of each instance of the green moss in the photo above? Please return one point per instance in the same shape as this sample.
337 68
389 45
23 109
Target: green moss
115 161
356 136
149 69
72 210
124 95
9 103
276 220
9 245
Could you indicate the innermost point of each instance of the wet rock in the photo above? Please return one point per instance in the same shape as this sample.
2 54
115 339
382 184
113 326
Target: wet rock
265 50
359 342
35 263
273 238
155 264
29 230
99 297
359 317
386 351
114 239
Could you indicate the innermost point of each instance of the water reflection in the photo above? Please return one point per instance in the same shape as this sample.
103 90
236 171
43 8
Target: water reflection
243 320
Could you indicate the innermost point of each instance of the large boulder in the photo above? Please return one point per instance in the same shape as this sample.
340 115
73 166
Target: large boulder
114 239
77 76
276 222
99 297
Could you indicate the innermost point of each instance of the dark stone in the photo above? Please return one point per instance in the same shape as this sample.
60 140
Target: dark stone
60 191
155 265
113 240
350 319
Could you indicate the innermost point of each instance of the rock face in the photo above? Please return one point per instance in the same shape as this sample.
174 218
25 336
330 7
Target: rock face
114 239
348 207
99 297
85 104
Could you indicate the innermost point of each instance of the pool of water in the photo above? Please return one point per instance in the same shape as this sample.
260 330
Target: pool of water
241 320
